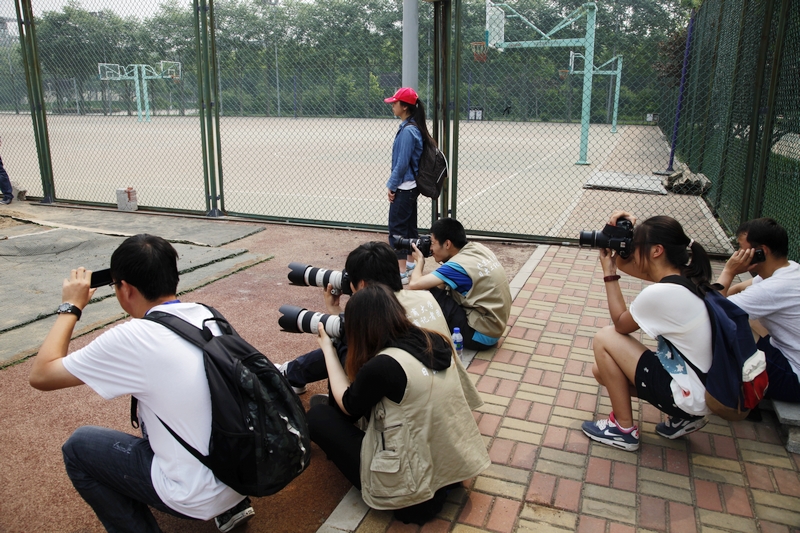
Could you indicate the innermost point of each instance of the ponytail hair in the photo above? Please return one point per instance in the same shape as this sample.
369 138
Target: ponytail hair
418 118
681 252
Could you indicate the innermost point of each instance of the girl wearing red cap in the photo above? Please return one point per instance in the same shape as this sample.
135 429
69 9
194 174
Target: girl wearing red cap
402 185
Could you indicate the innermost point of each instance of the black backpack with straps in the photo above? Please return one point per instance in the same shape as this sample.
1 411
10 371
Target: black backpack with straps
259 436
432 172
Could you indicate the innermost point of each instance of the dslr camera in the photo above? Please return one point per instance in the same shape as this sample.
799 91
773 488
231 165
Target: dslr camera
619 238
306 275
423 244
296 319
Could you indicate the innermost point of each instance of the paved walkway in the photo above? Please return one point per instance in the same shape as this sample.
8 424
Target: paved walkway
547 476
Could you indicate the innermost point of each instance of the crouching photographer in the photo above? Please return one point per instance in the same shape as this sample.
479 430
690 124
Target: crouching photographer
659 251
371 262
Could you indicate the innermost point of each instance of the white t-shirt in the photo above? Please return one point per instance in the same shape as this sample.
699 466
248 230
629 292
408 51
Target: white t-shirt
681 317
166 374
775 302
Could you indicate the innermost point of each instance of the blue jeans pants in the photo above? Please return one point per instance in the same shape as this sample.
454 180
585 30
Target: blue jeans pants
783 382
310 367
403 218
111 471
5 183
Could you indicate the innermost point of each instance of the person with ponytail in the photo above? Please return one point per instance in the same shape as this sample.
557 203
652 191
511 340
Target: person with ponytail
402 185
666 310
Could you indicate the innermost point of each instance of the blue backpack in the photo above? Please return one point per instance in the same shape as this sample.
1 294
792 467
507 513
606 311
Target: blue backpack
737 379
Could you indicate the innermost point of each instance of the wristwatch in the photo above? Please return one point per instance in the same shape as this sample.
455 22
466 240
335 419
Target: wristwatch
69 308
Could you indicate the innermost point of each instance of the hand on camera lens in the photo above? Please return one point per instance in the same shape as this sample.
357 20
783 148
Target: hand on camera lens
324 341
331 298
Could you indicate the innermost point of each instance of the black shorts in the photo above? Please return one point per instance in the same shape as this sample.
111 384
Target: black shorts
653 385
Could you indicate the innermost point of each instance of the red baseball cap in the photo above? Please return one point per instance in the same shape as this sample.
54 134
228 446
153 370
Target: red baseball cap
403 94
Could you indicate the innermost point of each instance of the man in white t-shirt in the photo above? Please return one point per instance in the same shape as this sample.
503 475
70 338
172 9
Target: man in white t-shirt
120 475
772 297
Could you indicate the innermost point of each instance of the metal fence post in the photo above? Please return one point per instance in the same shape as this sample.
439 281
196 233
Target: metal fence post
33 78
761 66
456 112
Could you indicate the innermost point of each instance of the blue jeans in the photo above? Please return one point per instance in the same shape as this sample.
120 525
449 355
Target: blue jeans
456 317
111 471
5 183
783 382
403 218
311 367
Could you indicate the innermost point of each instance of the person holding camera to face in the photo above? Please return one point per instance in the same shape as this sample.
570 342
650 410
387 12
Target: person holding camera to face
374 262
421 439
658 249
120 475
470 285
772 297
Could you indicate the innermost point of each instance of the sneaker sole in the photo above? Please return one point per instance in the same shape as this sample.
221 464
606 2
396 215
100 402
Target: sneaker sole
616 444
238 520
689 428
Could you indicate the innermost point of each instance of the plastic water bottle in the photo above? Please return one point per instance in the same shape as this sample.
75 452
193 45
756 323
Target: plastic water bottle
458 340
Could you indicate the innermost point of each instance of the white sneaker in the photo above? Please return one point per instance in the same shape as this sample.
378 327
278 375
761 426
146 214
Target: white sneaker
404 278
231 518
282 369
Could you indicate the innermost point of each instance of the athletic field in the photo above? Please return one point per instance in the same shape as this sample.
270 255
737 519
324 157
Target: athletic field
513 177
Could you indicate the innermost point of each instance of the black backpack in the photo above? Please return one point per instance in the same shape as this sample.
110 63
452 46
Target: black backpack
737 379
432 172
259 436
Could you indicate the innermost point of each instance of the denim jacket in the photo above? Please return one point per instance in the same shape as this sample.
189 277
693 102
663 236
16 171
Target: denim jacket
406 153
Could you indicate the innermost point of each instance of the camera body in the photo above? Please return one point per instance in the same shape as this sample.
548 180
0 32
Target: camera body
302 274
423 244
296 319
618 238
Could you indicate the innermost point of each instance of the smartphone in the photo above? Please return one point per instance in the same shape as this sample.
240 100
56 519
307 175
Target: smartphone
101 278
758 256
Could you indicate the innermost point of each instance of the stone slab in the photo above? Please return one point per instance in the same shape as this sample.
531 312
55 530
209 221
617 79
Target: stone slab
187 229
35 265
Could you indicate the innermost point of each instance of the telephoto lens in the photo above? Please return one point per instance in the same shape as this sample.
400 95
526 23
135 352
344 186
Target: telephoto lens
423 244
302 274
296 319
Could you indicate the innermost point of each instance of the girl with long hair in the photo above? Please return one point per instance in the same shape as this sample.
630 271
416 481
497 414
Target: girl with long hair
411 136
421 437
669 310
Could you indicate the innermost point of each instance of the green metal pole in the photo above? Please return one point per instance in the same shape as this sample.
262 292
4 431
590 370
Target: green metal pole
435 110
456 112
752 143
212 37
33 73
145 94
206 62
616 95
447 21
201 102
766 138
588 71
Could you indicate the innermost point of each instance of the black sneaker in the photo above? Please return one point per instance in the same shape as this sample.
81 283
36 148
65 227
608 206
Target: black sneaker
678 427
6 201
239 514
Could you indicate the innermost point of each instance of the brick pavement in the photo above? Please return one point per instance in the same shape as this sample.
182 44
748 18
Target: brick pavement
547 476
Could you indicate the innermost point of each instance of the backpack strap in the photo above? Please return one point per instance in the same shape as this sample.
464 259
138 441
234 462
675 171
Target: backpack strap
198 337
687 283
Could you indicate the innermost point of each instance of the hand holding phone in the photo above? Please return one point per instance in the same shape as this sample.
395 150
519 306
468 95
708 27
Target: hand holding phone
758 256
101 278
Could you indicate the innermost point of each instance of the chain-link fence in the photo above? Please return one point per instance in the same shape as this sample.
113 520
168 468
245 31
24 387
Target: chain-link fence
739 123
568 114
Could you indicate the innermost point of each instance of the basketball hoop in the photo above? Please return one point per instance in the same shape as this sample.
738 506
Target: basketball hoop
479 51
563 73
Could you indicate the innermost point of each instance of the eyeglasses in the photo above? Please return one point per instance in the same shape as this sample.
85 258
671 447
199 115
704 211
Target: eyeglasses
113 284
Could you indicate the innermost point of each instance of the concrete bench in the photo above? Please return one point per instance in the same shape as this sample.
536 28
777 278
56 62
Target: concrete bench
789 415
